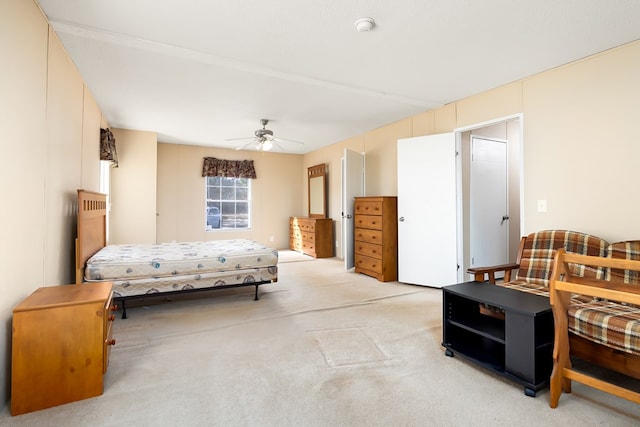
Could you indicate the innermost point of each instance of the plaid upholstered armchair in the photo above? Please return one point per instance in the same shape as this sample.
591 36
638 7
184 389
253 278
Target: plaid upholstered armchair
601 330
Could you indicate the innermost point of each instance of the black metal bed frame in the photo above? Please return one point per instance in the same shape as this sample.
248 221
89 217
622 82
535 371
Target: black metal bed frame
186 291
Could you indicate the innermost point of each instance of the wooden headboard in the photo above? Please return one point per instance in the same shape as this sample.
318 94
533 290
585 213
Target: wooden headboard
92 228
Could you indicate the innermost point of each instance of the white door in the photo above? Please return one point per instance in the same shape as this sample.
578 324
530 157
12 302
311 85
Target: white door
488 216
427 210
352 186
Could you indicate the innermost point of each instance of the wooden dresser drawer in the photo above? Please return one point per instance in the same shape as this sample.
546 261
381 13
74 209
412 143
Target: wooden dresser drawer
311 236
302 224
303 246
311 228
367 263
368 221
369 208
368 249
302 235
109 341
295 244
369 236
295 233
309 248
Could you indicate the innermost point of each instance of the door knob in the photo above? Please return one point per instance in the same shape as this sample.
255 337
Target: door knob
401 219
504 218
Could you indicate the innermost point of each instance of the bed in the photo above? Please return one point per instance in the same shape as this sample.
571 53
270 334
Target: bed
147 270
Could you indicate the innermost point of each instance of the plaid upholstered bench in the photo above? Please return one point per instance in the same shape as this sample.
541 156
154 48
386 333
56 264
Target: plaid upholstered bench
602 331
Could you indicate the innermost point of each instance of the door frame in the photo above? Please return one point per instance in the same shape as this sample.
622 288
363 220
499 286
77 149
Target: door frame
460 217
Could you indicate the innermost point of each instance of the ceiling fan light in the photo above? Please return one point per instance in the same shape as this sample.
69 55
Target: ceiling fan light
267 145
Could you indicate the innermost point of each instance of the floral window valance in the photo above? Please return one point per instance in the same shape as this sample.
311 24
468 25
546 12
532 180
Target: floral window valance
228 168
108 147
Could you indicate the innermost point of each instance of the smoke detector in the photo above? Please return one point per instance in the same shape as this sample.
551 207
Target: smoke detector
365 24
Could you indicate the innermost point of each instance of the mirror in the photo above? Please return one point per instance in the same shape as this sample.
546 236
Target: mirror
317 176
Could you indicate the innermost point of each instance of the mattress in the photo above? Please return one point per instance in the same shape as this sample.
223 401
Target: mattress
154 285
186 260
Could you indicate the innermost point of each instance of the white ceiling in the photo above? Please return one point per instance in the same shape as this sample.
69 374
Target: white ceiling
202 71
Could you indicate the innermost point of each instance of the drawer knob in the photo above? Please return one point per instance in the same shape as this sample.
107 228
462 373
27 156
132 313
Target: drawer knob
111 342
114 307
112 317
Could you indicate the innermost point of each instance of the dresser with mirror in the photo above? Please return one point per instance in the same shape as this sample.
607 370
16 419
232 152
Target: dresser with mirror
313 234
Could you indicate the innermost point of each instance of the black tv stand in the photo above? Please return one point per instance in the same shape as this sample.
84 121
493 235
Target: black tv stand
507 331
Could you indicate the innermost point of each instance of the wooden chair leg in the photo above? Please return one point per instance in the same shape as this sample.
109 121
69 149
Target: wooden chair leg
558 382
555 386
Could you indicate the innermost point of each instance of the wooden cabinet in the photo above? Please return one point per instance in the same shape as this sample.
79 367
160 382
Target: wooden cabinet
311 236
376 237
61 340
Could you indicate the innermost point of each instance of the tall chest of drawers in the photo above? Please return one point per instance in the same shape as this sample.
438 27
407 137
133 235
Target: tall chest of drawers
376 237
62 337
311 236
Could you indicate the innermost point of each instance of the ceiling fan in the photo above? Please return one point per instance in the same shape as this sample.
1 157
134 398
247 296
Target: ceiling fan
263 139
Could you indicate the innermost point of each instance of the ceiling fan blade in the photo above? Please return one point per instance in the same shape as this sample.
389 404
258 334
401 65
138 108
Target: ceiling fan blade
239 139
246 146
287 140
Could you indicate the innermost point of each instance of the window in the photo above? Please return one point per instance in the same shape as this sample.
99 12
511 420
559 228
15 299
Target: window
228 203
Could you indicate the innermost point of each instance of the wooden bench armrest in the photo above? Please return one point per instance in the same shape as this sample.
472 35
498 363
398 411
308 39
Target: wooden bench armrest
480 272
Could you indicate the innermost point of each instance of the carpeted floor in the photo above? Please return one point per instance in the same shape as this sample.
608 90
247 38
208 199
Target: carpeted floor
322 347
286 255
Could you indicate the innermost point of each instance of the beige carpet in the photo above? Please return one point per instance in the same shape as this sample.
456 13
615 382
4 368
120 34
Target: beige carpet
322 347
286 255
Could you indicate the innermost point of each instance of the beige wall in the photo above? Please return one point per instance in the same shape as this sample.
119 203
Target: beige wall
65 91
381 146
276 194
47 129
499 102
581 150
579 145
91 124
23 43
132 215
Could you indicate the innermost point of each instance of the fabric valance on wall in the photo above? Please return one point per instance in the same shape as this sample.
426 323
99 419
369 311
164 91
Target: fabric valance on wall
228 168
108 147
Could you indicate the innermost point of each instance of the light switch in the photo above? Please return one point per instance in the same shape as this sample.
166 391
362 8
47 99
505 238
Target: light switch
542 205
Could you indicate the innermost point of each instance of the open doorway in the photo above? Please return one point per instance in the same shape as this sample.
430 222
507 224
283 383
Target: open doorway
353 170
491 237
435 216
